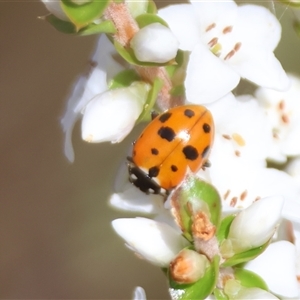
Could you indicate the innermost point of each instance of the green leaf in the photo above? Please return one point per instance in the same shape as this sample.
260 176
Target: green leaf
128 55
82 15
123 79
146 19
249 279
69 28
179 59
245 256
223 230
151 7
200 289
151 100
220 295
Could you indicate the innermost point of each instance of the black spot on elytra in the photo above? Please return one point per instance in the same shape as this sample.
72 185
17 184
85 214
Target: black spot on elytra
190 152
164 117
166 133
154 151
134 153
189 113
206 128
153 172
174 168
205 151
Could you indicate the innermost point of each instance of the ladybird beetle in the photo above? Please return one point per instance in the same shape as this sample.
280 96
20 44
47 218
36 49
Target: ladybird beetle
174 141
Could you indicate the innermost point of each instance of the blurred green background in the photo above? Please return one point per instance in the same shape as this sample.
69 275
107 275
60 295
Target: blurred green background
56 237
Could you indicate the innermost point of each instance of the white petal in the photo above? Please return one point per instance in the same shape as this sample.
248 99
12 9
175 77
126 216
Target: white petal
293 169
187 30
156 242
262 68
291 209
54 7
222 13
208 78
139 294
132 199
256 224
71 116
235 131
258 27
240 184
128 197
103 67
276 265
154 43
111 115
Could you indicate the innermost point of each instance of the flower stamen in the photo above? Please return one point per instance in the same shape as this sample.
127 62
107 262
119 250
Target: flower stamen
226 136
238 139
237 153
243 195
229 55
285 118
210 27
227 29
213 42
226 194
233 201
281 105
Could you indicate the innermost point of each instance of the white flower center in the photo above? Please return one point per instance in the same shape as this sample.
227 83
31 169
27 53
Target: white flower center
219 41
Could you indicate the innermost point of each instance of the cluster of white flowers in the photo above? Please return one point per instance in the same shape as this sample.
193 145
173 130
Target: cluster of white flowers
225 42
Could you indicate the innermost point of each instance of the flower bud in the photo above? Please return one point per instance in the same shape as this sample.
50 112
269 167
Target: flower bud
255 225
188 266
154 43
156 242
111 115
54 8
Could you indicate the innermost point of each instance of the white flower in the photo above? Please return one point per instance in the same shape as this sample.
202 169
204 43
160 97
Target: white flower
255 225
104 67
110 116
54 7
154 43
240 125
276 265
156 242
241 145
230 41
283 114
